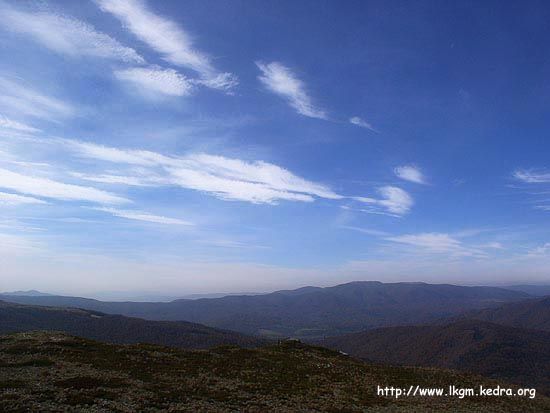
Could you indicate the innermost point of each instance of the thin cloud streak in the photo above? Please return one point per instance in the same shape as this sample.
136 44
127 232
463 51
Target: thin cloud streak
531 176
47 188
156 80
357 121
66 35
226 178
14 125
144 216
439 243
26 101
168 39
14 199
280 80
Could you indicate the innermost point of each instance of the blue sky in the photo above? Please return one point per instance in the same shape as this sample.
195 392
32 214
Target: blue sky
183 147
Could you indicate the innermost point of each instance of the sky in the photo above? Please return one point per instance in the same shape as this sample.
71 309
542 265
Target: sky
191 147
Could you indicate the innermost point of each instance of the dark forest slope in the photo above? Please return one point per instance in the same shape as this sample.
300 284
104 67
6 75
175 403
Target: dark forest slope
516 355
115 328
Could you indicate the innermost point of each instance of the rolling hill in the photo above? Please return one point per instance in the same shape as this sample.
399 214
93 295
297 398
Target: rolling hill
55 372
534 314
531 289
513 354
310 311
116 328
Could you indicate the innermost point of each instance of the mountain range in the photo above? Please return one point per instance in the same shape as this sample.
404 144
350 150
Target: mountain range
310 312
116 328
493 332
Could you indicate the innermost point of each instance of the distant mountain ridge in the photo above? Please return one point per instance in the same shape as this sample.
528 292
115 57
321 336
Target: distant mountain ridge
535 290
533 314
517 355
310 311
27 293
117 328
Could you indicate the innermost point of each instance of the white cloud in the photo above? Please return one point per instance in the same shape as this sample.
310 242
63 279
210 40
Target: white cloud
13 199
226 178
493 245
540 251
410 173
157 80
373 232
14 125
116 155
394 200
357 121
47 188
221 81
117 179
434 242
532 177
281 81
265 175
144 216
167 38
27 101
66 35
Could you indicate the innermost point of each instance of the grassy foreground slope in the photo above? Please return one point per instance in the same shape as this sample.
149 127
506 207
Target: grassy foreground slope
44 371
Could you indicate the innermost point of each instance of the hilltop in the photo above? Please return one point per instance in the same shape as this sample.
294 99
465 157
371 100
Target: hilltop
54 372
116 328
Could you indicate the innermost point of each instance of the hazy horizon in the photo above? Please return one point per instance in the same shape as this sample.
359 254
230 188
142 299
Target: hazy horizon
145 296
172 148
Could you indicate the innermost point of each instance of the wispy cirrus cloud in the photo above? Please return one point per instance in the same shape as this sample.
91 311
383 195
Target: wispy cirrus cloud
144 216
367 231
410 173
24 100
357 121
539 178
66 35
280 80
14 199
138 180
393 199
225 178
156 80
169 39
438 243
14 125
540 251
47 188
531 176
